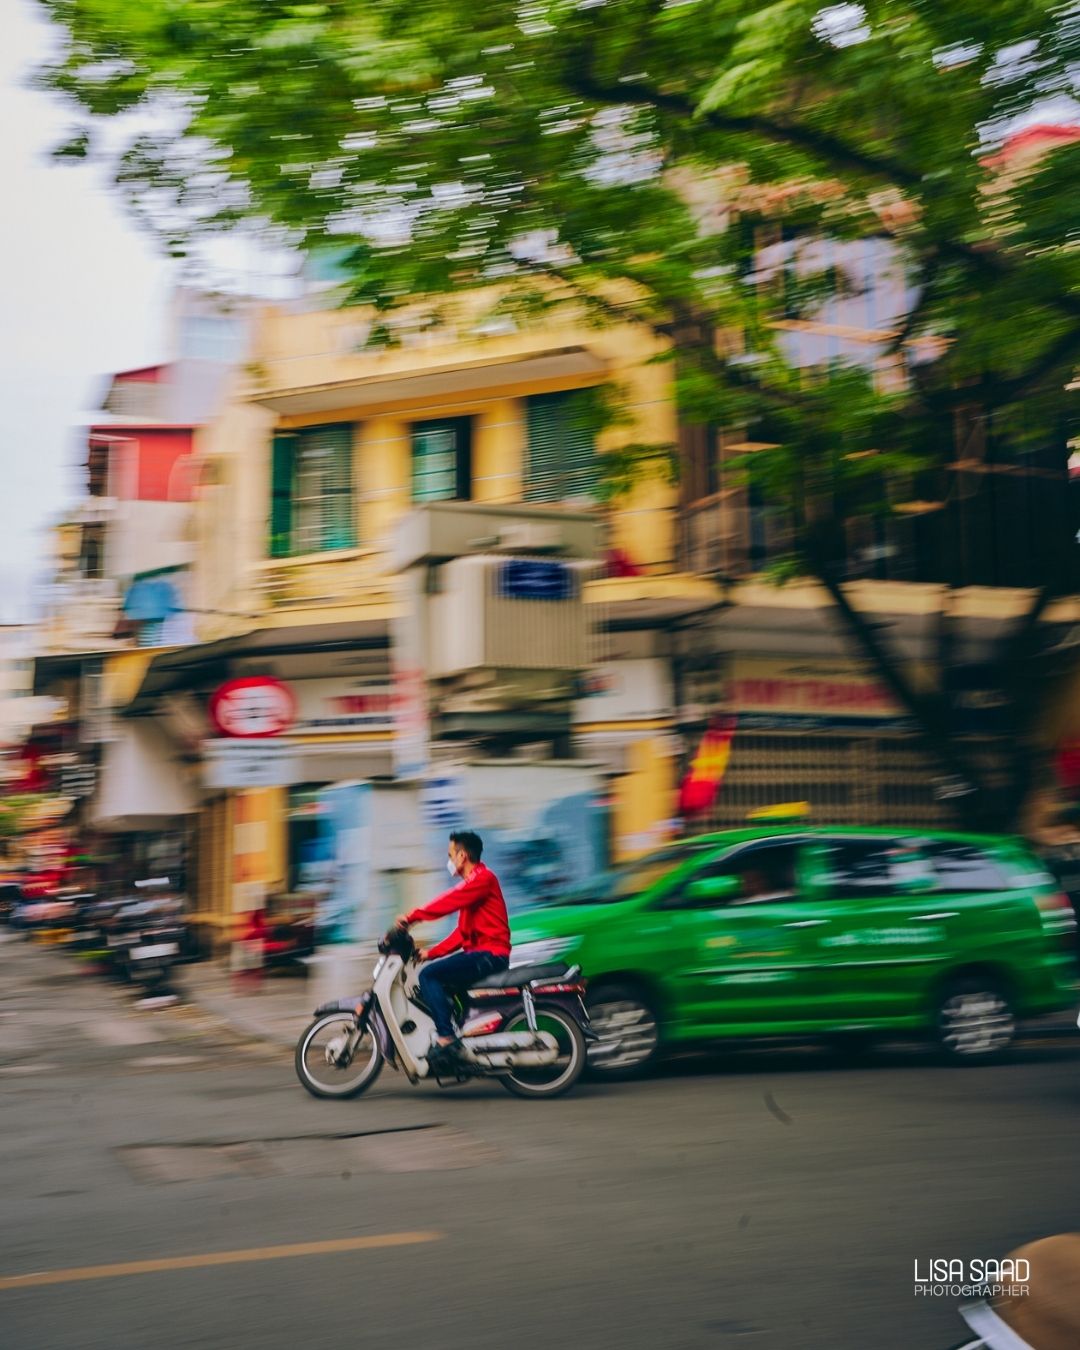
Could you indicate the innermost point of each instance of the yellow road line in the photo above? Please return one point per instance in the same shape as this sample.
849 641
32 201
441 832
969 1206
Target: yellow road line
354 1244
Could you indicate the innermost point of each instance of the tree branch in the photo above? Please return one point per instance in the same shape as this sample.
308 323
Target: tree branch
984 259
819 143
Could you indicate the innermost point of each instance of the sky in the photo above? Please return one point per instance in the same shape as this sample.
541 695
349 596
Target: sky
83 293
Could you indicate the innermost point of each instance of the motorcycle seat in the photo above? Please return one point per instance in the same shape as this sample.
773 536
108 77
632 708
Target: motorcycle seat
516 976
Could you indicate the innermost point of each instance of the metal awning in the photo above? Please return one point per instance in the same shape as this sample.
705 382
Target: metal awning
651 601
183 667
434 381
62 665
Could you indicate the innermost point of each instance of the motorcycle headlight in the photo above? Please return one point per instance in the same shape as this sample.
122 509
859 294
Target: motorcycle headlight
544 950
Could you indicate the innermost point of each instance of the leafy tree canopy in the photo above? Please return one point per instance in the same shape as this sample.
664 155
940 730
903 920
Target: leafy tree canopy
622 156
618 153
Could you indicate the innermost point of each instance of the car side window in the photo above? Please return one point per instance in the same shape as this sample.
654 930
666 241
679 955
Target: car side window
764 872
962 869
863 868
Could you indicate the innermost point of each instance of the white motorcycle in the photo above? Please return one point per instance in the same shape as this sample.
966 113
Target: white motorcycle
526 1026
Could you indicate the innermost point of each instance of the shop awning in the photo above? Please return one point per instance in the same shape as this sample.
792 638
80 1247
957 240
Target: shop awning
647 601
185 667
63 665
142 784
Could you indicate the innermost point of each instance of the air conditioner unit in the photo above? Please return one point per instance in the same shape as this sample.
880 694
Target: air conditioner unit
511 613
440 531
530 536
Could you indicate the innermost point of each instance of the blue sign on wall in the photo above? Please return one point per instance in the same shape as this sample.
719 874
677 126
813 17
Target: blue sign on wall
525 579
441 802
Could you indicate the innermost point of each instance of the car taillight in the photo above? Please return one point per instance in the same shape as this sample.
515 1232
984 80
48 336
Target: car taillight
1058 914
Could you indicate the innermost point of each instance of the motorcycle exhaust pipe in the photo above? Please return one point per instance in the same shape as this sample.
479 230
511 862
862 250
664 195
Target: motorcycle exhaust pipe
512 1050
509 1041
517 1059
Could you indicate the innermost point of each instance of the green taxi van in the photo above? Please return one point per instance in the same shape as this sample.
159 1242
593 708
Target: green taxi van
847 934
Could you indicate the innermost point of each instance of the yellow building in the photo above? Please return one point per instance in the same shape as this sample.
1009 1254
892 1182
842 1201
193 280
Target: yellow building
323 444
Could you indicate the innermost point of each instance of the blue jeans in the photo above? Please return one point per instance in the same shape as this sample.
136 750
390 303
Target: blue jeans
439 978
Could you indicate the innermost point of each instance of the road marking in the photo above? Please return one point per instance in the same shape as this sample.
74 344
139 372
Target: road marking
354 1244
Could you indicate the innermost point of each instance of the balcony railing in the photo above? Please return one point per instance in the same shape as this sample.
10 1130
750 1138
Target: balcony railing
355 576
82 614
725 534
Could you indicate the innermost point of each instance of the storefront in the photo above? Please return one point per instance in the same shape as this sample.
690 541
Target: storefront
815 730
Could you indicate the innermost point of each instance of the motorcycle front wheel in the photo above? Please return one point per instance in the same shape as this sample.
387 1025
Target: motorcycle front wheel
334 1059
550 1080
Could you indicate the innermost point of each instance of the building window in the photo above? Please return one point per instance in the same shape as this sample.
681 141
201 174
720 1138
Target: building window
442 461
312 501
562 461
212 337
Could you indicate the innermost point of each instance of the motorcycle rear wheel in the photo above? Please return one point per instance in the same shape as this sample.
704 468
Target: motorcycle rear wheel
314 1056
552 1080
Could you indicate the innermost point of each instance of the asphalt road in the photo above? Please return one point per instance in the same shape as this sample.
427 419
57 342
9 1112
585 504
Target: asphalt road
766 1201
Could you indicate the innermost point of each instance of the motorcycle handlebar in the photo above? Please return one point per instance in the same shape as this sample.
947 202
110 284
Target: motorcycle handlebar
397 941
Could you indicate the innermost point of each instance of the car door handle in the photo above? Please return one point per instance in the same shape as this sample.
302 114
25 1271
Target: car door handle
807 923
938 914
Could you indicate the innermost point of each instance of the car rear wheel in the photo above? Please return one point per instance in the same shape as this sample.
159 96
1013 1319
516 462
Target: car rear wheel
628 1031
975 1022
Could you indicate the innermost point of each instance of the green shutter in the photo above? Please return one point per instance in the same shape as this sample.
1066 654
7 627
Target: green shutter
323 504
281 492
562 447
339 529
441 470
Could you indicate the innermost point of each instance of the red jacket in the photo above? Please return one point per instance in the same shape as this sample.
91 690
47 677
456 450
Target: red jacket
482 924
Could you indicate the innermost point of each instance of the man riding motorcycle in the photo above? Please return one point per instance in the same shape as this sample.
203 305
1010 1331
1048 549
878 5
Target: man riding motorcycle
478 947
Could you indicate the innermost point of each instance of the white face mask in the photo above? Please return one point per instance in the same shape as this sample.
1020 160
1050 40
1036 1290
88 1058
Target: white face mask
450 867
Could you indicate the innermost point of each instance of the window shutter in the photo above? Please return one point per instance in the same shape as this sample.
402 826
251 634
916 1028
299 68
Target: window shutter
281 492
562 459
323 489
338 528
441 461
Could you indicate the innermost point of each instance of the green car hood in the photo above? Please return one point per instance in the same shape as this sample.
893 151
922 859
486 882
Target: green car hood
556 921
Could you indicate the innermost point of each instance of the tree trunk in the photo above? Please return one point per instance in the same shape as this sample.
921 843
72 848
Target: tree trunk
973 799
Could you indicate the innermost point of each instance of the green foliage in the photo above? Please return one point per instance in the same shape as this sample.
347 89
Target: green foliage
585 154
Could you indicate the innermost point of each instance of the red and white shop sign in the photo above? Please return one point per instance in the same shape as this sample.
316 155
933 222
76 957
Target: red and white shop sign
254 706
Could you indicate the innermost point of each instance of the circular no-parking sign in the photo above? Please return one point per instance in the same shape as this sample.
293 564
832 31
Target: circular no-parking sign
254 706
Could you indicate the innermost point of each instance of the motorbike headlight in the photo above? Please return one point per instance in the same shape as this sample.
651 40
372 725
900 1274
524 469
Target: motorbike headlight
546 949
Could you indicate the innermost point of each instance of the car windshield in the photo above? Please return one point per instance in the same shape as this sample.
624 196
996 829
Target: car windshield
630 879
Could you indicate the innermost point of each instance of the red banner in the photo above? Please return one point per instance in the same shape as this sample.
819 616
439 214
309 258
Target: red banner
701 785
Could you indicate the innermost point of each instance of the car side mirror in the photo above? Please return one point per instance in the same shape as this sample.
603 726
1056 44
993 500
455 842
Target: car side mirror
713 890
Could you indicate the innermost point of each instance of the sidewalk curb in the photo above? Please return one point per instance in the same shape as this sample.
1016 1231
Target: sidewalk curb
248 1026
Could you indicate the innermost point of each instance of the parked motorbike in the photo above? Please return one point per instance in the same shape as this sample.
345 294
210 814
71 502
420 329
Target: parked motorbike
145 935
526 1027
49 915
11 895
